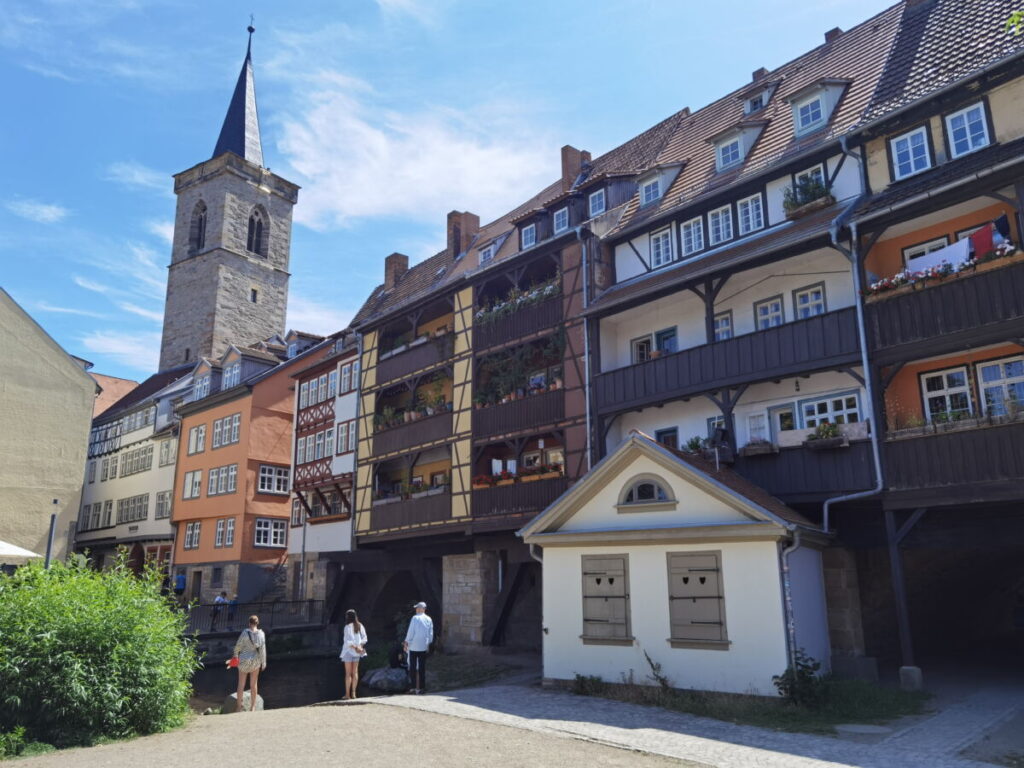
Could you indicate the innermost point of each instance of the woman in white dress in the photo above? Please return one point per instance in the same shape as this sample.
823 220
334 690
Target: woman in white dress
251 652
352 650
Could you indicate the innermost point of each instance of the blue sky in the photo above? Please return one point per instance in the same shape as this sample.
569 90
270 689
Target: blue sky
388 113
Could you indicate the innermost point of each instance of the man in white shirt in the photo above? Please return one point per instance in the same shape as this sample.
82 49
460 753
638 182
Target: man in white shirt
417 643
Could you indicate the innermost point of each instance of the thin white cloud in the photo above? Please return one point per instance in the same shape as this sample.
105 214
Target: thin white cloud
43 306
50 72
135 175
135 309
33 210
312 316
140 351
356 159
91 285
427 12
162 229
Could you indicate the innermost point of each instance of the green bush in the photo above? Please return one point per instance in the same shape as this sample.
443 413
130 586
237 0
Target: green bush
13 743
588 685
90 654
800 682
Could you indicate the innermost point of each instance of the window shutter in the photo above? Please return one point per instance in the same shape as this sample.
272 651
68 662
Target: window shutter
696 601
605 597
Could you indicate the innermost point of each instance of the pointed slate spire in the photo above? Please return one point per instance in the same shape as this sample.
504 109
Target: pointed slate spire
241 130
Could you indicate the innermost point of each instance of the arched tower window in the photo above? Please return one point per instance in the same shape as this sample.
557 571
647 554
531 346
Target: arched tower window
256 242
197 230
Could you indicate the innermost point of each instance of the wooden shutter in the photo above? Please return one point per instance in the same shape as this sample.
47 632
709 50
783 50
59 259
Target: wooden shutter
696 600
606 597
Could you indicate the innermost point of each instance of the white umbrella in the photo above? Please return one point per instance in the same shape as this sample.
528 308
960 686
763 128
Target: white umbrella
12 551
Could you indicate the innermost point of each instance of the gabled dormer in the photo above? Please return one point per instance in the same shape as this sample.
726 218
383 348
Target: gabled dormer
231 368
655 182
759 94
533 227
814 104
205 379
734 144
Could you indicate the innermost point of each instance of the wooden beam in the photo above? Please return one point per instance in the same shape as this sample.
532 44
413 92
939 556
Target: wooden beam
640 258
853 375
890 374
911 521
899 588
1004 199
302 501
496 624
344 498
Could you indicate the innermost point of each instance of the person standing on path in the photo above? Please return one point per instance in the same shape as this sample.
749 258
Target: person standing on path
251 652
352 650
218 602
417 643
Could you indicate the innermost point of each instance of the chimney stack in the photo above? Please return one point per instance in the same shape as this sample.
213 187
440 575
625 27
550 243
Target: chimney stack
395 265
759 74
462 227
572 164
832 34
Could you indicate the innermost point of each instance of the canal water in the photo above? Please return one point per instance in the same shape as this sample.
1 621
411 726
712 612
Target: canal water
284 683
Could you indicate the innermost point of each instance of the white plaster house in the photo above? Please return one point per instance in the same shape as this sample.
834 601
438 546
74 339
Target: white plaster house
662 553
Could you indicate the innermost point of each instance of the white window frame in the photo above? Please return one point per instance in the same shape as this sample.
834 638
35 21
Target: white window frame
218 538
201 388
723 217
297 512
304 394
486 254
319 446
217 425
300 451
650 192
661 247
332 384
352 435
164 505
725 157
229 533
693 236
808 291
745 209
346 378
895 150
635 347
274 479
964 113
597 203
92 471
232 375
322 393
832 414
799 126
814 173
236 423
528 236
923 249
270 532
1002 383
723 326
560 220
947 390
781 314
342 433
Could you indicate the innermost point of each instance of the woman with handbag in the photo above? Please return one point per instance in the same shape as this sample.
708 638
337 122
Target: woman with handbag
352 650
250 656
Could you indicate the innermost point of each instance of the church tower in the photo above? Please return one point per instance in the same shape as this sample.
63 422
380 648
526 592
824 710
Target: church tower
228 279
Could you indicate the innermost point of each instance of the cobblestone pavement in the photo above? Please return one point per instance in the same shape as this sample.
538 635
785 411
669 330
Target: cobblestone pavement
712 742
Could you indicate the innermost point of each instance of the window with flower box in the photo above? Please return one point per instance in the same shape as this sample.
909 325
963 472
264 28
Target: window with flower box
836 409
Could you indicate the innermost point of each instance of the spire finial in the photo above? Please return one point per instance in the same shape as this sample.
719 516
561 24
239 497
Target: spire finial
251 29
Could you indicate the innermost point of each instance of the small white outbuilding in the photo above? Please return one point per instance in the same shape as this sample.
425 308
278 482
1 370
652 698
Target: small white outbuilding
660 552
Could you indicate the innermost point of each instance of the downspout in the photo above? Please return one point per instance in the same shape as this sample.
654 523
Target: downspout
534 555
787 597
586 343
851 254
355 456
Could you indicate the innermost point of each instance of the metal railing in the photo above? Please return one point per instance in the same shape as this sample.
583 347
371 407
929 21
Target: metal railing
207 618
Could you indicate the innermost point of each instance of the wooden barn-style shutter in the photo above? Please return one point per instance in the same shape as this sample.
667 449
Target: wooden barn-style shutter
606 597
696 599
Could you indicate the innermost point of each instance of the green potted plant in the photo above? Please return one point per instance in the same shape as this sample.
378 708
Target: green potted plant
758 446
826 435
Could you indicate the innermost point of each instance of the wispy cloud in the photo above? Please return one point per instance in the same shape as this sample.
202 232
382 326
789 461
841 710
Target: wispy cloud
33 210
91 285
162 229
43 306
135 309
358 159
140 351
312 316
427 12
135 175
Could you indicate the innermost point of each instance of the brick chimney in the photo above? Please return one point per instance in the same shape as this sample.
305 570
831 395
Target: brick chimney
395 265
461 229
572 163
759 74
833 34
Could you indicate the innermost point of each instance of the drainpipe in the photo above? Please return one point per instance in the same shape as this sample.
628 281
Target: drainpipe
851 254
534 555
355 455
586 343
787 596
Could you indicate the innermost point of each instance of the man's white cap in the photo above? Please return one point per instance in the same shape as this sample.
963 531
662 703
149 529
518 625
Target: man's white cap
420 604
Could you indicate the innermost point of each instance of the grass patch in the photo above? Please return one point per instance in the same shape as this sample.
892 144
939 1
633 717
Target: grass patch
463 671
842 701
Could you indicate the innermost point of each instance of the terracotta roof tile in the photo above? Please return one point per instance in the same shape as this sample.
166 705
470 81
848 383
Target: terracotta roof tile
147 388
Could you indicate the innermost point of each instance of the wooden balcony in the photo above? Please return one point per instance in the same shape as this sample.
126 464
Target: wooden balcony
423 355
958 313
404 436
817 343
519 498
528 320
802 475
985 463
411 512
517 415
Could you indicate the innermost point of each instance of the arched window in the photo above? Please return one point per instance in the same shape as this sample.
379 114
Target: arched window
646 491
256 241
197 229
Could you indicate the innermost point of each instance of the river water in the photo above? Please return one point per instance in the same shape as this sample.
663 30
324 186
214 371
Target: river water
284 683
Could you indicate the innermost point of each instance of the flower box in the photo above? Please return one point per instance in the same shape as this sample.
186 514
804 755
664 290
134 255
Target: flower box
505 482
549 475
529 478
827 443
814 205
434 491
758 449
480 486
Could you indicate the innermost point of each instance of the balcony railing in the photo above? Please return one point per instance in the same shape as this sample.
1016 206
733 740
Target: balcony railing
403 513
519 498
413 433
800 474
985 462
527 412
207 618
958 312
530 319
817 343
416 357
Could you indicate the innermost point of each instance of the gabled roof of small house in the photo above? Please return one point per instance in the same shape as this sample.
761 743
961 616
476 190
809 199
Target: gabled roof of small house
721 482
147 389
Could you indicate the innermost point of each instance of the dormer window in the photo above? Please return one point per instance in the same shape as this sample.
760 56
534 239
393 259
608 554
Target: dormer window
486 254
561 220
232 376
813 105
910 153
596 203
293 349
810 114
201 388
754 104
967 129
650 192
729 154
528 236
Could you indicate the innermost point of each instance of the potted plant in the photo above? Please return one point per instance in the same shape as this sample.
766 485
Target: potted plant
655 354
483 481
807 195
550 471
530 474
826 435
758 447
504 478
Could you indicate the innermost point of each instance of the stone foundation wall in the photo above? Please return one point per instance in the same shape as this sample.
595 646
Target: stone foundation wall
470 584
842 595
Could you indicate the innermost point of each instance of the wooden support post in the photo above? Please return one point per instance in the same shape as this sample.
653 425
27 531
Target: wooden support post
899 588
499 616
1018 189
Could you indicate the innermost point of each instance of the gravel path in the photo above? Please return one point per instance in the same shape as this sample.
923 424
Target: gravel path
369 736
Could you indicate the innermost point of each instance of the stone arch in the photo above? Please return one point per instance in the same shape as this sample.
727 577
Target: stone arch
197 229
258 237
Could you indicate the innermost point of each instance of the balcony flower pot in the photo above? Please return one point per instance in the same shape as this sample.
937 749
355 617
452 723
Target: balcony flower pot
827 443
530 478
549 475
655 354
480 486
810 207
505 482
758 449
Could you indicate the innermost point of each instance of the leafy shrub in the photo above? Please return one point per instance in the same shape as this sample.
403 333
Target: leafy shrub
800 682
588 685
12 743
88 654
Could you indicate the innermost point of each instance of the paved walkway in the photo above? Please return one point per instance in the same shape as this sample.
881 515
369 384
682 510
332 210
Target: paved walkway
712 742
